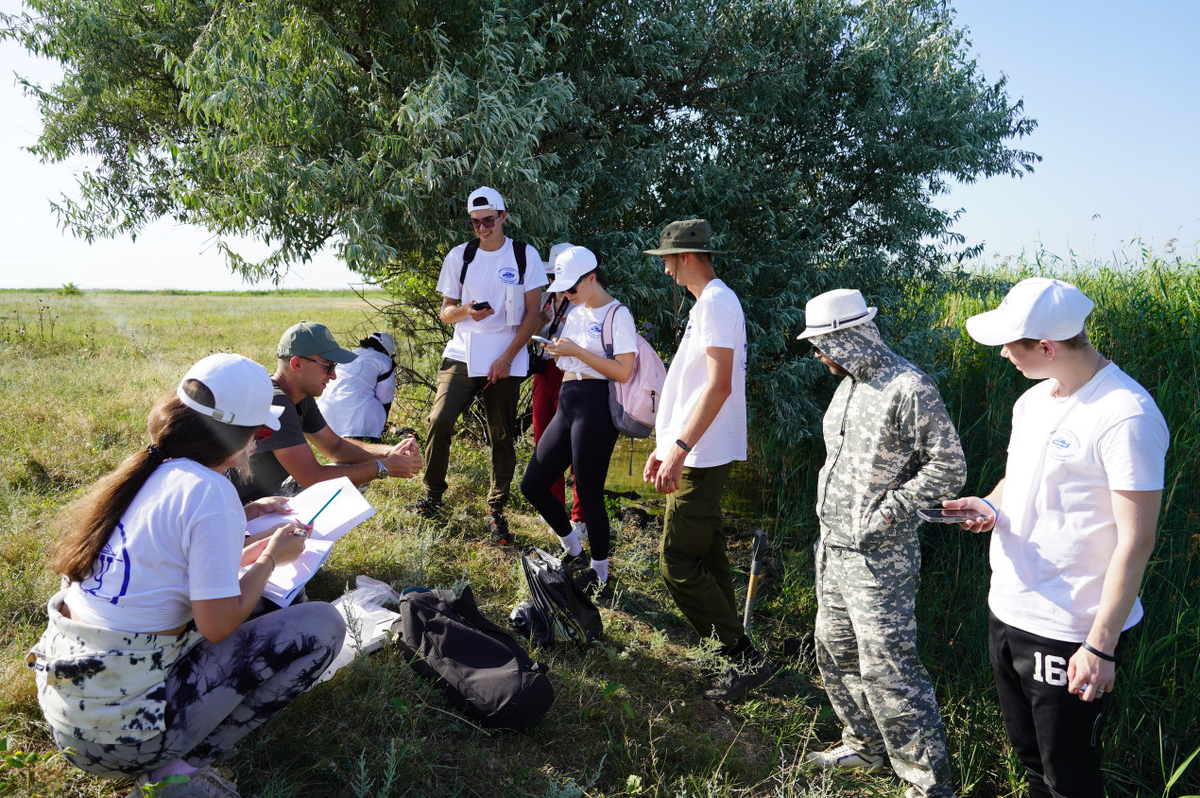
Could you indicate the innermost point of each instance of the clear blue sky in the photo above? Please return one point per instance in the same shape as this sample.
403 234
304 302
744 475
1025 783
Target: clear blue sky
1115 87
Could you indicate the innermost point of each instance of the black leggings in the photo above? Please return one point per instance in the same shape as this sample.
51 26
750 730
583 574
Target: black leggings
580 435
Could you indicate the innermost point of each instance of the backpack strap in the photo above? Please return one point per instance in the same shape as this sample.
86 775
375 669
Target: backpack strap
391 370
606 337
473 247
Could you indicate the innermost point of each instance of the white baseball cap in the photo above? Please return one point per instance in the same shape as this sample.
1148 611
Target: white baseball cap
555 251
388 342
241 389
835 310
485 199
571 264
1037 307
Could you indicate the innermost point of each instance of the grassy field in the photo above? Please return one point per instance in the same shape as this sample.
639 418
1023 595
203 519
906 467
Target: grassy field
82 371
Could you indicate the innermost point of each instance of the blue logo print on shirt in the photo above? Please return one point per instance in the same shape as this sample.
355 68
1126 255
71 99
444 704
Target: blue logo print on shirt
111 566
1064 445
509 275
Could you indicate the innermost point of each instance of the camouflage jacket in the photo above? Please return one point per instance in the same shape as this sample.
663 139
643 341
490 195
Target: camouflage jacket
890 445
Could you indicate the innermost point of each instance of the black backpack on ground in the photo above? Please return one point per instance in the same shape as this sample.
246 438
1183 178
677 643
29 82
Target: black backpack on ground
558 611
478 666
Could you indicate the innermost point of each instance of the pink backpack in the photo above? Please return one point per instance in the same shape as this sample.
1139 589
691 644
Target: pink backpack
634 404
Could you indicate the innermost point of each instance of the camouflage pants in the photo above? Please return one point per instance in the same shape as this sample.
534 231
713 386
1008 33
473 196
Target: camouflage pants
866 641
219 692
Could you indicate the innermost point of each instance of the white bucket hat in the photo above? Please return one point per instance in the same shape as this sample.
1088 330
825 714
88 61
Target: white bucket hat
241 389
835 310
1038 308
555 251
569 266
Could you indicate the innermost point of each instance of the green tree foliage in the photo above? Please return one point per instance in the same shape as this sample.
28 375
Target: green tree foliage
814 135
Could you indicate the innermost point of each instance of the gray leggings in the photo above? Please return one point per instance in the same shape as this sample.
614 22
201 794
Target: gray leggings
218 693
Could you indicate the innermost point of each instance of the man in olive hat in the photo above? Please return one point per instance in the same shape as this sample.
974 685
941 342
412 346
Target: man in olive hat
700 430
308 357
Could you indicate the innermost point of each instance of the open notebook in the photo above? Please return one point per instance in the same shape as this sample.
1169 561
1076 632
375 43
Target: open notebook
344 509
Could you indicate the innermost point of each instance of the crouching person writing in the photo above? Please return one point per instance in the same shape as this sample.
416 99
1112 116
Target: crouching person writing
151 664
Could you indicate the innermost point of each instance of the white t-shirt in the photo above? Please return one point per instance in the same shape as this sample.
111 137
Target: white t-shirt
353 403
488 276
180 541
715 320
1055 532
584 325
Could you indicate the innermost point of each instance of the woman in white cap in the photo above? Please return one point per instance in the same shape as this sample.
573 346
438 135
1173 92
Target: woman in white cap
581 434
547 380
151 664
357 403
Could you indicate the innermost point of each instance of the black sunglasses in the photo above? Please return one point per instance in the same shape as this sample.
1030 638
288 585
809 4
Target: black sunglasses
488 221
329 367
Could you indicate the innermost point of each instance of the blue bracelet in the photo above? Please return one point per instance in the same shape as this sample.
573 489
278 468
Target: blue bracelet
995 512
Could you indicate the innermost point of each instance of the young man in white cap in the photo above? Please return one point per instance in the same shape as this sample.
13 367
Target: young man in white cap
699 431
1074 521
491 292
890 448
307 359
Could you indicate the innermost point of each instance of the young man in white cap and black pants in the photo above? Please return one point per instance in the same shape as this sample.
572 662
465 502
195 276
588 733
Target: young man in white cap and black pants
1074 521
491 292
890 449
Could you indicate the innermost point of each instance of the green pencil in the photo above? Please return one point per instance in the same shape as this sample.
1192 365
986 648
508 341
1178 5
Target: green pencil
323 506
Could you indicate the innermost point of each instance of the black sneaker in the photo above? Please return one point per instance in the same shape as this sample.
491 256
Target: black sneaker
426 507
575 562
497 526
589 582
742 674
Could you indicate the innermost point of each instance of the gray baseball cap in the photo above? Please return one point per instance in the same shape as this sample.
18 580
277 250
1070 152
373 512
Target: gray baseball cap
311 338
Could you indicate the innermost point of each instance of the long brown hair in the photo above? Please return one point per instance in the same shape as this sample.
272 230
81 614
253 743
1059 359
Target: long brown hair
177 431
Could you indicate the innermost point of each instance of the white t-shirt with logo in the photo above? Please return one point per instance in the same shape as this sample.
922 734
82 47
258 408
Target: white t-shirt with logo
487 278
584 325
180 541
715 320
1055 533
353 403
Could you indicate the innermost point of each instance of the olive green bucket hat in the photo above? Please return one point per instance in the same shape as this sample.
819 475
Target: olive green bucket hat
692 235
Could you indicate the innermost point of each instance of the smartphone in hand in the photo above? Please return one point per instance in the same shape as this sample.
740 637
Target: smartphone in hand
937 515
482 306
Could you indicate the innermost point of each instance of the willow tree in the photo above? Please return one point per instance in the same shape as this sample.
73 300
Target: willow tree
814 134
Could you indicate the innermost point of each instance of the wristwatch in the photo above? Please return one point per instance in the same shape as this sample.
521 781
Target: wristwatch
383 472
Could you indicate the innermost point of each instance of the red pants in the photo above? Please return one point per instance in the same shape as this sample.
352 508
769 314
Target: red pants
545 405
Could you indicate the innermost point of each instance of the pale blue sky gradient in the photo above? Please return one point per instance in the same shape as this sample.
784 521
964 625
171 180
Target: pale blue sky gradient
1115 87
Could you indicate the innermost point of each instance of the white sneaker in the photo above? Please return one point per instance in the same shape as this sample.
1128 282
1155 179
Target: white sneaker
844 757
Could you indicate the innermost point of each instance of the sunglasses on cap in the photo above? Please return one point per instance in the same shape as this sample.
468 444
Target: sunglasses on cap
262 433
488 221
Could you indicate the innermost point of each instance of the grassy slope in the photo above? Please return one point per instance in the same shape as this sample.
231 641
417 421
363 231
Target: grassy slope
627 715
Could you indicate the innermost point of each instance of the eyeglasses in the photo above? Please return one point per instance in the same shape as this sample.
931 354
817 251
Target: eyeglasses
262 433
329 367
575 287
488 221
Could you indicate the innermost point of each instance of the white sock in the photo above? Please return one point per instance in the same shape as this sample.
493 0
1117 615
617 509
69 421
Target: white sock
179 767
570 544
601 569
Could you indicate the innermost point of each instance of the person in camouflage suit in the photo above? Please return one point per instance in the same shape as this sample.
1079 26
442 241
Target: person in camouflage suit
890 448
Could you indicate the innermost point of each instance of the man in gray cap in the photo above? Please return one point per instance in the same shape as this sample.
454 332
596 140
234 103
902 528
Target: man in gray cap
307 359
699 431
890 448
1073 525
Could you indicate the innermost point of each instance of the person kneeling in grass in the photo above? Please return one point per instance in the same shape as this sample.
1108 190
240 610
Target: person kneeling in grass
151 665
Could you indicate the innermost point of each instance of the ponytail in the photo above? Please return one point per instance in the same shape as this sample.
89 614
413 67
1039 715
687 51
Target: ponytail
177 432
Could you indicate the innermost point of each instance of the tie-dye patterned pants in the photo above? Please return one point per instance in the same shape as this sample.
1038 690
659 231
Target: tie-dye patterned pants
219 692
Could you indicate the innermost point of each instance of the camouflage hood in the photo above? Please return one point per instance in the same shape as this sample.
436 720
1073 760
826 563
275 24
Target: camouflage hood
859 350
890 445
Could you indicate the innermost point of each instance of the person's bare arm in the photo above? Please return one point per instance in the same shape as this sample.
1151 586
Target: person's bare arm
717 388
979 505
355 460
1136 516
502 366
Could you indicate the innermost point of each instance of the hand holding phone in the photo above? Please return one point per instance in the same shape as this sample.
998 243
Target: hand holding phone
937 515
481 306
